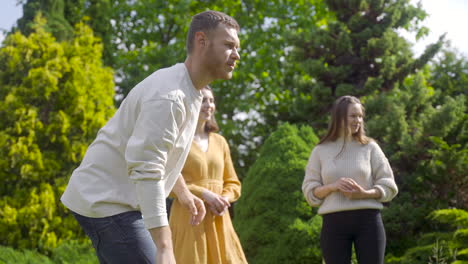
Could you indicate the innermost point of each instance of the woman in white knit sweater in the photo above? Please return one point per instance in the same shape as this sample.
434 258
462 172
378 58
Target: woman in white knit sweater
348 177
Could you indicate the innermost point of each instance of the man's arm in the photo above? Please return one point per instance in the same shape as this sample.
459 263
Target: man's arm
154 134
162 237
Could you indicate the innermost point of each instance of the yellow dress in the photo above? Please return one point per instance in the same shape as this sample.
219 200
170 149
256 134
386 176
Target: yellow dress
213 241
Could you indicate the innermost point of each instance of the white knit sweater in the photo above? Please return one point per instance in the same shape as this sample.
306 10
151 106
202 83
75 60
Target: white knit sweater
366 164
137 156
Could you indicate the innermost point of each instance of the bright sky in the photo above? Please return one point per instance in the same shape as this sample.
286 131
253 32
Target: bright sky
449 16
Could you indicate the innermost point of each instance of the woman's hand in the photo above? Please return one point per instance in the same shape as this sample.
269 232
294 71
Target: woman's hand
354 191
340 185
216 203
194 204
344 185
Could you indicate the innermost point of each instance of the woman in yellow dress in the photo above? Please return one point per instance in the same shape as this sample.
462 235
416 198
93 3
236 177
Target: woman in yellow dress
210 175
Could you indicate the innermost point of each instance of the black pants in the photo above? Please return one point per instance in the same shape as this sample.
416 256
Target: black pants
364 228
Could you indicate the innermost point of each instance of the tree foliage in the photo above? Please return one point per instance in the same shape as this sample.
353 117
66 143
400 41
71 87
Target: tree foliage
449 245
149 35
296 58
54 97
449 73
415 127
359 53
63 15
274 223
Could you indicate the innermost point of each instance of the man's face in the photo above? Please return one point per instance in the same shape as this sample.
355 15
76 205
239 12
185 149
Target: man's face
222 52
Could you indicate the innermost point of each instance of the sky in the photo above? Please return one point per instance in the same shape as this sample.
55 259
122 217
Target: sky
450 16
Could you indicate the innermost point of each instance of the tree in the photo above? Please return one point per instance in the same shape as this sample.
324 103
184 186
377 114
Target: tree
150 35
449 73
63 15
54 98
272 218
414 128
360 53
53 11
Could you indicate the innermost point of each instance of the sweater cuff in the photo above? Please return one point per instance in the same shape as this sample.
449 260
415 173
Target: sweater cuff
383 192
311 198
156 221
152 201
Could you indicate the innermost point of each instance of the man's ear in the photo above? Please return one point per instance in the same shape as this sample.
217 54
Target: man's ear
201 38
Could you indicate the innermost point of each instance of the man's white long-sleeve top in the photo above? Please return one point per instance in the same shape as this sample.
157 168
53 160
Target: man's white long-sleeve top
137 156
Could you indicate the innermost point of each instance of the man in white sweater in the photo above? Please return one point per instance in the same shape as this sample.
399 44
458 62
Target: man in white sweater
118 192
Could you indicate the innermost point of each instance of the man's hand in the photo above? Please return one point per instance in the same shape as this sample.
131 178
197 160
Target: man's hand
216 203
194 204
165 256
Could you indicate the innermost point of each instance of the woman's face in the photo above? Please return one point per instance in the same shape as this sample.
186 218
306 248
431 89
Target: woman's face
354 118
208 106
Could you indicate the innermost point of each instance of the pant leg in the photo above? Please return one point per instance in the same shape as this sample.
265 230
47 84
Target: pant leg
336 239
370 239
87 225
120 239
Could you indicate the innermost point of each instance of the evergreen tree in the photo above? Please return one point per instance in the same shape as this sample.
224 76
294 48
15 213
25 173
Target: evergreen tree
63 15
415 129
53 99
360 53
272 218
449 73
53 11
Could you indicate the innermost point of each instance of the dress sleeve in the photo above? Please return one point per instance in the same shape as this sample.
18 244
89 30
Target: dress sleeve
153 137
231 185
382 174
312 179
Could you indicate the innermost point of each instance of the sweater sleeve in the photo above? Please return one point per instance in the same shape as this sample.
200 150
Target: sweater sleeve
231 185
312 179
382 174
154 135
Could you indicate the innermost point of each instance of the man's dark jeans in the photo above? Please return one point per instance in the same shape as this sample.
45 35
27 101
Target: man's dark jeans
119 239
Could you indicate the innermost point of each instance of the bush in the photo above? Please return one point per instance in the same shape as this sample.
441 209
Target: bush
9 255
70 252
450 246
54 97
74 252
273 220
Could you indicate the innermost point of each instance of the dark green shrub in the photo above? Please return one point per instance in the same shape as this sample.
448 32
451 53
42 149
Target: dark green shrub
450 246
74 252
273 221
9 255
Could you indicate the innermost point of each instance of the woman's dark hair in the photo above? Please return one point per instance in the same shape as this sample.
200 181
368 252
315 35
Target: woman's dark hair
211 125
339 122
